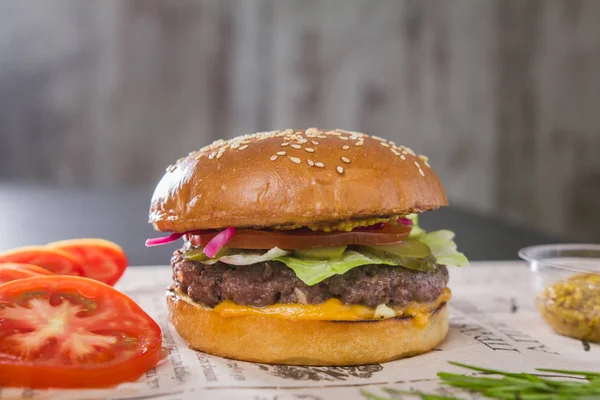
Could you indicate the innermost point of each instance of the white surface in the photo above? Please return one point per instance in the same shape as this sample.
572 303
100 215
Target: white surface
493 324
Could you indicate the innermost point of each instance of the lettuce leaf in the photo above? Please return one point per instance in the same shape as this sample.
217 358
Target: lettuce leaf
440 242
312 272
245 257
444 248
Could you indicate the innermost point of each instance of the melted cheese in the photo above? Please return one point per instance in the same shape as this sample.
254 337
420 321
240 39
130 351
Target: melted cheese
332 310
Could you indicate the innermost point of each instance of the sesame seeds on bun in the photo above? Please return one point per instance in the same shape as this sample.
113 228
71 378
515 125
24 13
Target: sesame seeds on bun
293 177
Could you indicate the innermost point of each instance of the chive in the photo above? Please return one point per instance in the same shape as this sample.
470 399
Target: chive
512 386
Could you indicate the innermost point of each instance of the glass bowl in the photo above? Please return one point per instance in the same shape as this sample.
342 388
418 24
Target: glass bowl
566 279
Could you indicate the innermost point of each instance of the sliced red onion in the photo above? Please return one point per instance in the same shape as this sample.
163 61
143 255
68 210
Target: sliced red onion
218 242
405 221
163 240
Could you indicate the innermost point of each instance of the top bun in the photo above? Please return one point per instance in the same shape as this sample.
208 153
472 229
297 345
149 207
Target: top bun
293 178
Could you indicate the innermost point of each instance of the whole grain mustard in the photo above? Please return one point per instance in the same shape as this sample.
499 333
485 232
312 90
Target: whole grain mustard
572 306
344 225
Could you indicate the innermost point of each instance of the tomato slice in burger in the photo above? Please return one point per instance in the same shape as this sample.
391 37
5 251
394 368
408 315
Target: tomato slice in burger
101 260
55 260
72 332
305 238
13 271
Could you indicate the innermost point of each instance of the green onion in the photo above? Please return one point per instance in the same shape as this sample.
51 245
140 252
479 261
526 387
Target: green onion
510 386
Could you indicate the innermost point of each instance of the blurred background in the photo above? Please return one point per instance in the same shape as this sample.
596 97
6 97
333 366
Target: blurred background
502 95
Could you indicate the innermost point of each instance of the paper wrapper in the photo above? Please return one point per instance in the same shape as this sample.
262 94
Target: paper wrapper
493 324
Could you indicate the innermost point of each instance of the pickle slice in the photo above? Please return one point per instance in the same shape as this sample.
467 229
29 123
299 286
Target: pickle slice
321 253
410 254
198 254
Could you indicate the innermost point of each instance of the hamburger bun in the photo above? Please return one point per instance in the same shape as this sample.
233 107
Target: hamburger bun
276 340
293 178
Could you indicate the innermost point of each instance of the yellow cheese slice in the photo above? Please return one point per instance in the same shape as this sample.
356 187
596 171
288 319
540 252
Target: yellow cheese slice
331 310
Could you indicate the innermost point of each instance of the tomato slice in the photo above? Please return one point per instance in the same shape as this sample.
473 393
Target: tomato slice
13 271
55 260
305 238
102 260
72 332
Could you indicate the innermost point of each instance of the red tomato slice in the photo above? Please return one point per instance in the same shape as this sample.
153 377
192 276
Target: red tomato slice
102 260
13 271
305 238
72 332
55 260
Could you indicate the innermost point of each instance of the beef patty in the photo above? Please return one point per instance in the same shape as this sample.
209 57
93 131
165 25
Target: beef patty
272 282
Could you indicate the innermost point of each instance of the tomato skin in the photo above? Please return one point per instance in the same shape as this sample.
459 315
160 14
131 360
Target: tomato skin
304 238
13 271
127 360
101 259
42 377
55 260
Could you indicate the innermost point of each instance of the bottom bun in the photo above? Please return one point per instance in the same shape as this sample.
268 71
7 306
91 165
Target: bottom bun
274 340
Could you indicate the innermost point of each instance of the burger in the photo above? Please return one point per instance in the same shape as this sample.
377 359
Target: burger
303 247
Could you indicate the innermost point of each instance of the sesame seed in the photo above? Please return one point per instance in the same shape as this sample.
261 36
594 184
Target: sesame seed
220 154
285 144
235 145
312 131
417 165
314 142
273 158
211 156
302 141
421 172
345 147
319 164
296 146
340 169
310 149
426 163
295 160
384 144
244 147
322 137
403 157
335 133
424 158
395 152
310 162
171 168
343 137
281 153
345 159
379 138
358 143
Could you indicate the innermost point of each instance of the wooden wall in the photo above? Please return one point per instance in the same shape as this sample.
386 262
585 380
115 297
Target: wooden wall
503 95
